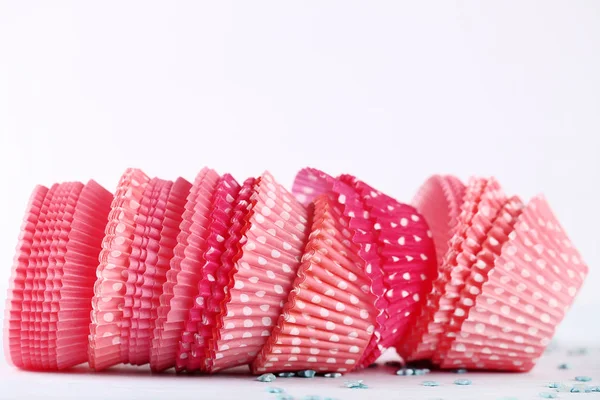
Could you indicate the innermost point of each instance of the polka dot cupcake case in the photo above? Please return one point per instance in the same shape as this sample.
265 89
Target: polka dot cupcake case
407 257
439 304
329 315
439 200
311 182
142 271
213 310
263 275
15 307
502 226
190 356
182 279
109 289
533 284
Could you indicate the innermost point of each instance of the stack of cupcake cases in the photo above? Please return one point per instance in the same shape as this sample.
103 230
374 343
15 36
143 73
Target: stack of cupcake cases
48 306
506 281
214 274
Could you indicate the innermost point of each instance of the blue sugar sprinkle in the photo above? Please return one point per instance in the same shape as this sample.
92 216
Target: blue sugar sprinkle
306 373
578 389
405 372
594 388
564 366
583 378
266 378
462 382
461 371
332 375
274 390
311 397
355 385
554 385
423 371
286 374
430 383
546 395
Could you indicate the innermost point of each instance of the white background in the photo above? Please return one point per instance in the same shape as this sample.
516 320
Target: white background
389 91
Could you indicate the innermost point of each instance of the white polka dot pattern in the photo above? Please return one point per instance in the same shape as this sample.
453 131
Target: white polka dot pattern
180 289
408 263
320 324
190 355
516 313
276 218
438 308
109 289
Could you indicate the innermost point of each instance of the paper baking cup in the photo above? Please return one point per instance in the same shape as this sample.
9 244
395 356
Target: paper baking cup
40 252
362 224
482 201
191 354
59 215
329 316
15 299
142 322
215 306
264 274
408 262
109 289
439 200
181 285
82 228
502 226
516 311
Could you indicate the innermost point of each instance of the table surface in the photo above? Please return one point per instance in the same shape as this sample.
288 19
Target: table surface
129 383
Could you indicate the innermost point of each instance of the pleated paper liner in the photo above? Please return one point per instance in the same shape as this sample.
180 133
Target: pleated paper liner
362 224
502 226
109 289
329 316
263 275
14 306
182 277
158 363
191 355
461 262
32 284
233 244
82 231
142 322
439 200
50 298
527 294
137 259
163 242
408 261
429 324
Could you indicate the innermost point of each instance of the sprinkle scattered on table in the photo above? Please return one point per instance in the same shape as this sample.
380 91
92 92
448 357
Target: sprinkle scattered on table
306 373
332 375
286 374
284 396
266 378
430 383
405 372
463 382
564 366
461 371
583 378
356 385
548 395
274 390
